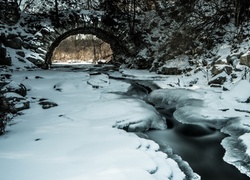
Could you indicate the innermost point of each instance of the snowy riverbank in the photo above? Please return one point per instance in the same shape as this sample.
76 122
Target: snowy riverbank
78 140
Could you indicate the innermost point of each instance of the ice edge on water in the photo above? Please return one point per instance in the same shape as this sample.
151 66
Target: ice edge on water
236 149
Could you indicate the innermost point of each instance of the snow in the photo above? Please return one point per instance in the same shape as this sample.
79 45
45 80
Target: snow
139 75
84 137
223 51
169 97
76 140
21 64
211 107
245 140
239 93
180 62
192 107
237 153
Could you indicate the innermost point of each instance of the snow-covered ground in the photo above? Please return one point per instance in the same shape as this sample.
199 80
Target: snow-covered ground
80 138
76 140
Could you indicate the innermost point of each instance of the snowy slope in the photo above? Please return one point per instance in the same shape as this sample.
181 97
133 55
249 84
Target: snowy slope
80 138
75 140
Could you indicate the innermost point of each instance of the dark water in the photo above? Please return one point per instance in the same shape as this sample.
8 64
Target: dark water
197 145
200 147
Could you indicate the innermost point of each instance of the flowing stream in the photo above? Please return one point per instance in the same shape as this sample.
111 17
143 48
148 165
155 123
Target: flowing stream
195 144
198 145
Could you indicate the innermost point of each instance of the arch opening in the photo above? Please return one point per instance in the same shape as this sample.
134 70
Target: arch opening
82 48
119 46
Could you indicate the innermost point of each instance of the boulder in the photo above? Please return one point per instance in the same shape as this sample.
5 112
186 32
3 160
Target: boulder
2 52
4 60
35 61
16 102
217 69
171 71
176 66
47 104
4 106
20 53
245 59
218 80
15 88
15 43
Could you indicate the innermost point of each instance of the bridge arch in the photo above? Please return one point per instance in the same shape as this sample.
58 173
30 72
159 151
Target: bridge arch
114 42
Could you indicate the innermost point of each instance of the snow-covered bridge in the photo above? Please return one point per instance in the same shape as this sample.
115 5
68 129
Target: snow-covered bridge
35 37
87 22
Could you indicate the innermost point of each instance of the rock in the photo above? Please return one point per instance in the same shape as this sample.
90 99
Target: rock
35 61
248 100
47 104
2 126
16 88
38 77
20 53
217 69
4 106
245 59
3 77
225 88
221 62
233 59
234 76
21 60
217 81
11 35
16 102
3 52
171 71
26 45
4 60
215 86
40 51
15 43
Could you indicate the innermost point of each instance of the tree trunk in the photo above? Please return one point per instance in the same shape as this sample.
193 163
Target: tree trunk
237 12
57 14
134 16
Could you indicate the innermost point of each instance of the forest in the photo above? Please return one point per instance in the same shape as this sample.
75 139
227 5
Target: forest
239 9
82 48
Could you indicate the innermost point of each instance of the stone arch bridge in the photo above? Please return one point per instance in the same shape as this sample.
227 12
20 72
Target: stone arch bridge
41 35
35 36
114 33
107 29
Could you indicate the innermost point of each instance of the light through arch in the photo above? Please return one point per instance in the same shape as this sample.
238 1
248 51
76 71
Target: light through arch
82 48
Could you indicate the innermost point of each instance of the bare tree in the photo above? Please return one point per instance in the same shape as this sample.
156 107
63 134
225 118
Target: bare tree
242 11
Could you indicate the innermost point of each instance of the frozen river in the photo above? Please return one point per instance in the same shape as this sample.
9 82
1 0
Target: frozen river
199 145
202 150
83 136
